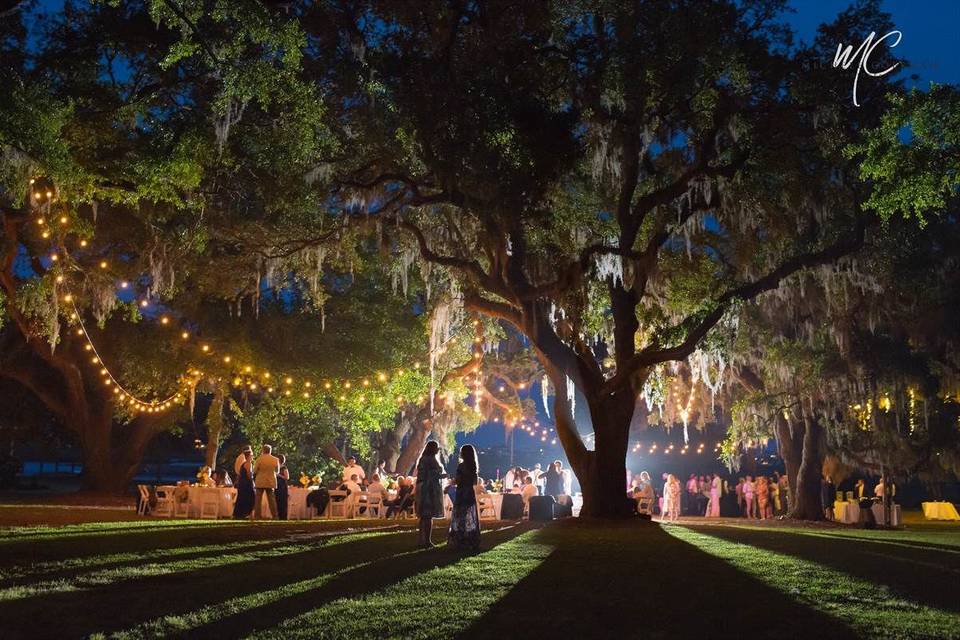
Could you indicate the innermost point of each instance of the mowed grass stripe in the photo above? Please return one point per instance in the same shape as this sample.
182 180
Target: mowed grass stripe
36 570
434 604
868 608
229 557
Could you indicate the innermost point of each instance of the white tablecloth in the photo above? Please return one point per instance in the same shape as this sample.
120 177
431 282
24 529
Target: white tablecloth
847 512
940 511
297 508
195 495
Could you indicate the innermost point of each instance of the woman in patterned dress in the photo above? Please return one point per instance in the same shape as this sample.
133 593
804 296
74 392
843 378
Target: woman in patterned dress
428 495
465 521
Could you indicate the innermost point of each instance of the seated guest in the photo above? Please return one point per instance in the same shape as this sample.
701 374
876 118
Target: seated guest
352 486
222 478
352 468
529 490
404 499
376 488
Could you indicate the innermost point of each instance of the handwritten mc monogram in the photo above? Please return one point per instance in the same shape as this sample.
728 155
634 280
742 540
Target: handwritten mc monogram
847 56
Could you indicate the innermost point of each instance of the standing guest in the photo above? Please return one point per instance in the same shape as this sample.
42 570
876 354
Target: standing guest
713 509
265 480
283 490
538 480
739 490
240 458
775 505
464 531
828 493
672 491
509 479
246 494
352 468
879 490
429 495
567 482
785 492
748 489
553 479
859 490
763 496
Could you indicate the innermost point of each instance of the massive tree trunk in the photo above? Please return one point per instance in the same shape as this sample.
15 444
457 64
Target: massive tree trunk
214 427
111 452
602 472
416 439
790 439
806 504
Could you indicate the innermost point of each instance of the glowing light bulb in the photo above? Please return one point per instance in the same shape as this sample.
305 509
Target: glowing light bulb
382 377
124 284
63 220
103 264
326 385
68 298
205 348
88 347
45 234
83 243
59 279
144 303
184 335
164 320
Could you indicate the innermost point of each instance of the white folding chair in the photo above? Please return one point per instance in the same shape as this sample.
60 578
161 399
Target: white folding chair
144 505
164 506
338 508
210 503
487 510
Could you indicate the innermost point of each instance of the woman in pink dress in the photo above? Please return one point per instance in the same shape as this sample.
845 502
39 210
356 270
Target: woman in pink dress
713 509
748 496
672 494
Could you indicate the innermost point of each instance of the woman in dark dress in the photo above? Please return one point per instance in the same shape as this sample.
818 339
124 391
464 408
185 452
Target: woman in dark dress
465 521
246 494
428 494
282 492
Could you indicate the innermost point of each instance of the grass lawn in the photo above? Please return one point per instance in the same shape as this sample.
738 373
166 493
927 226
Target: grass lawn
571 579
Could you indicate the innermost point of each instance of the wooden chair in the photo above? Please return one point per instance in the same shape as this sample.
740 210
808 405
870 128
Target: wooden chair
338 508
374 505
487 510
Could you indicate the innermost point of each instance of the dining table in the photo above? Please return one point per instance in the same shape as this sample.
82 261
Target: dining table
939 510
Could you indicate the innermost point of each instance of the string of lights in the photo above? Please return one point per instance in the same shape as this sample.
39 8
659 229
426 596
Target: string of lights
263 380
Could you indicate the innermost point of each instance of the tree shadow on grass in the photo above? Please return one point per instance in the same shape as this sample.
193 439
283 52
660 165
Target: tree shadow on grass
633 580
923 575
379 574
113 606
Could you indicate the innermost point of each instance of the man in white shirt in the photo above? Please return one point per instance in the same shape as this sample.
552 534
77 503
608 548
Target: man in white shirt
529 491
265 480
351 469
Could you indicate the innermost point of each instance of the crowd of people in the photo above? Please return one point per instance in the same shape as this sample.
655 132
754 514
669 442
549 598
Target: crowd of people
710 496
